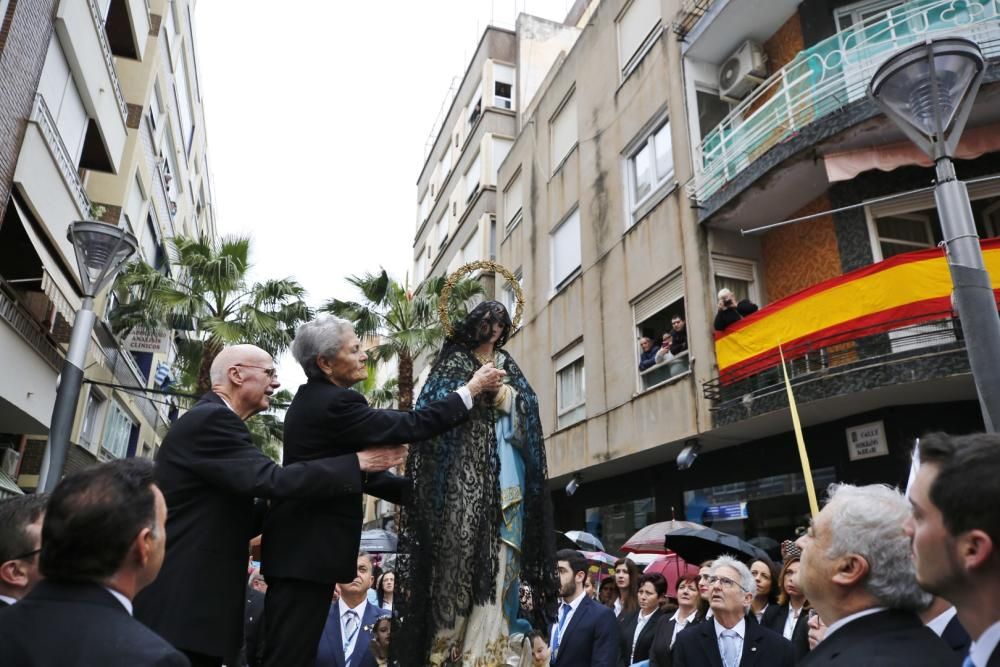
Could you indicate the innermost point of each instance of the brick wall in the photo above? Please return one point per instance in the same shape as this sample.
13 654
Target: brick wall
801 255
782 46
24 40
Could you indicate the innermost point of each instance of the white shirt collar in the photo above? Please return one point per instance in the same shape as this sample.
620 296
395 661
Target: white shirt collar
833 627
941 621
740 628
683 621
121 598
225 401
573 604
8 599
359 610
985 645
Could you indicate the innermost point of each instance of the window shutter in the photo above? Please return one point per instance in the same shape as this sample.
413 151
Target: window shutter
666 293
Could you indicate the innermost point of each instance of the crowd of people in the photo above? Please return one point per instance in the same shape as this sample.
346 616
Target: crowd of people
673 344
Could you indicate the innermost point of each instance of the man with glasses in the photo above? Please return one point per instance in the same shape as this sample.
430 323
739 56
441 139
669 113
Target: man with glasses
20 541
210 473
728 639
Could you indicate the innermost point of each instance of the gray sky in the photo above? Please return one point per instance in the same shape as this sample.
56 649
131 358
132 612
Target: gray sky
317 116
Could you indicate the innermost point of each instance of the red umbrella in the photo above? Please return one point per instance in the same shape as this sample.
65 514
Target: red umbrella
672 567
649 540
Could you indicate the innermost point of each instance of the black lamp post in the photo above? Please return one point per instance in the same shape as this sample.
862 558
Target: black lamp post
101 251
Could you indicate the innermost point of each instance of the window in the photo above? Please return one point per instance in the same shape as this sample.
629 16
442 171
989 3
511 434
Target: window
133 206
638 25
62 98
653 314
508 297
903 232
424 209
503 86
650 167
92 418
867 11
476 106
472 177
500 149
419 267
152 246
184 109
446 164
562 131
570 387
565 250
442 230
155 107
117 430
712 110
472 250
513 200
737 275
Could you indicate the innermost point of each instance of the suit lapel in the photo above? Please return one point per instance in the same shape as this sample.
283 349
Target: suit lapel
648 629
579 617
331 635
710 643
751 645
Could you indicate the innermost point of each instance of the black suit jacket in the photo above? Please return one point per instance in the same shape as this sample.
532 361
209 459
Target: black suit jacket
660 652
318 539
210 473
591 638
957 638
78 625
645 640
883 639
698 646
774 619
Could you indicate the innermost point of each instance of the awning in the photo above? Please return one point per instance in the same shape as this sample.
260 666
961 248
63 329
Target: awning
846 165
8 487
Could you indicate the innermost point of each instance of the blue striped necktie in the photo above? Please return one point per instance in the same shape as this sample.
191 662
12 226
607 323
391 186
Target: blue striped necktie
968 662
563 614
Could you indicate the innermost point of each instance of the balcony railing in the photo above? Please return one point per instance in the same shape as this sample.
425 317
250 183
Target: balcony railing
27 328
40 115
827 77
690 13
820 357
109 61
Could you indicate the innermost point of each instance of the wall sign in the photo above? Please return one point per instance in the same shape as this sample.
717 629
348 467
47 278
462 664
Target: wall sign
866 441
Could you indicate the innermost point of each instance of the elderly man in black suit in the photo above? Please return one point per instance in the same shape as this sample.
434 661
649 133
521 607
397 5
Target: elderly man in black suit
586 633
210 474
20 542
728 639
955 533
310 545
102 542
857 572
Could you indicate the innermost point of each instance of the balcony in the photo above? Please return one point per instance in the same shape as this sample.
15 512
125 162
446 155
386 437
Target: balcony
828 77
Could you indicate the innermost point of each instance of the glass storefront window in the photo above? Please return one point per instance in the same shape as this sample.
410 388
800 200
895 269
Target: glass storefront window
614 524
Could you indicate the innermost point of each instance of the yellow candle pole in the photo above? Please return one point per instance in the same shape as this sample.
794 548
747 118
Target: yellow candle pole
797 425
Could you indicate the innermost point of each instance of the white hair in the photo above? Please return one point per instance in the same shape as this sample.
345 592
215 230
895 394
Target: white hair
868 521
725 291
746 579
323 337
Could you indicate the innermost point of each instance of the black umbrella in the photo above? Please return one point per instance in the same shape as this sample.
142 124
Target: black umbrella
378 541
699 544
563 542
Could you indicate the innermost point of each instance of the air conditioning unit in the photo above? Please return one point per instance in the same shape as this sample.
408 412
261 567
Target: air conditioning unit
9 461
742 72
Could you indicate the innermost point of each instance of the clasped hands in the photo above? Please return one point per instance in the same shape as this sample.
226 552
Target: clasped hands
488 379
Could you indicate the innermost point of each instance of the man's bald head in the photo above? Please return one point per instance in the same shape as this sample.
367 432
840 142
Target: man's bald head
235 355
245 376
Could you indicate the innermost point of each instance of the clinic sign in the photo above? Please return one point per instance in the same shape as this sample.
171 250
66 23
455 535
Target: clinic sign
148 340
866 441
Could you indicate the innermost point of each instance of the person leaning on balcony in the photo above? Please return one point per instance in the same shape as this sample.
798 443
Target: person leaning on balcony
647 358
678 335
664 355
730 311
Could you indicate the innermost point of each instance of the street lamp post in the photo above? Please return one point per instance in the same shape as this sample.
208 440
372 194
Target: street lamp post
928 91
101 250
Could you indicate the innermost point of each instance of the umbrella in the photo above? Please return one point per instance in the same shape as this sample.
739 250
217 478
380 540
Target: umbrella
563 542
649 540
599 557
585 540
695 545
378 541
672 567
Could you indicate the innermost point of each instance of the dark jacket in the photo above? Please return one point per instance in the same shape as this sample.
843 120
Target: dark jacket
318 539
884 639
774 619
210 473
698 646
957 638
660 650
645 640
678 341
330 652
78 625
734 314
647 359
591 638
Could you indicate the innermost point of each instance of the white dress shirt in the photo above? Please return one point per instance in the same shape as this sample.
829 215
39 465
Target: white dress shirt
740 629
836 625
681 623
618 607
350 641
121 598
791 620
981 649
8 600
639 625
941 621
573 604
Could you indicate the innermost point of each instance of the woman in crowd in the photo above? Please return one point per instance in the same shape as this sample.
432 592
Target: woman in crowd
789 618
690 609
607 592
588 587
765 574
480 521
385 587
638 629
704 572
627 583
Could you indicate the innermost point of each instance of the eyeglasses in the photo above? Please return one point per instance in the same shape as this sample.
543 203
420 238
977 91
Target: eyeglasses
30 554
271 372
725 582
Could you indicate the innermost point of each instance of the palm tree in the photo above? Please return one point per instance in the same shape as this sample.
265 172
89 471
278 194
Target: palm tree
211 299
403 325
267 428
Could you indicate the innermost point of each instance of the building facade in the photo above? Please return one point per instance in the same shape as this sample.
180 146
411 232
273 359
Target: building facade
115 132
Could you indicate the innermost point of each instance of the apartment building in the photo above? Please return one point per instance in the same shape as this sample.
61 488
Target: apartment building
115 132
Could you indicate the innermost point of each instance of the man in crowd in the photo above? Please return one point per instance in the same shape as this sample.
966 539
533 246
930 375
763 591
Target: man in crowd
210 473
955 533
678 336
858 575
728 638
20 542
586 633
647 357
730 311
102 542
347 635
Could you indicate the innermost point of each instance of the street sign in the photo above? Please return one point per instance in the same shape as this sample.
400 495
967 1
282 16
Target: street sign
148 340
866 441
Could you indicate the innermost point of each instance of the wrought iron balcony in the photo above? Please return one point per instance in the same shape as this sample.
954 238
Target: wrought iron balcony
27 327
827 77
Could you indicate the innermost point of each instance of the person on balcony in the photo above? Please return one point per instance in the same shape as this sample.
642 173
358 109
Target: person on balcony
647 358
678 335
730 311
663 355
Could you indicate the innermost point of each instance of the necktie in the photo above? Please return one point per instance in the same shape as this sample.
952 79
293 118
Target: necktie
350 630
730 651
563 614
968 662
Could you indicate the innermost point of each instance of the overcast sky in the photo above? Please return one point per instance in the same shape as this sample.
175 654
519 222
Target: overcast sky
317 117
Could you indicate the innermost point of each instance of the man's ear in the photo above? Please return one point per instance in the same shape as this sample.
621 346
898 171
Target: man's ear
975 549
143 545
12 573
850 570
235 376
